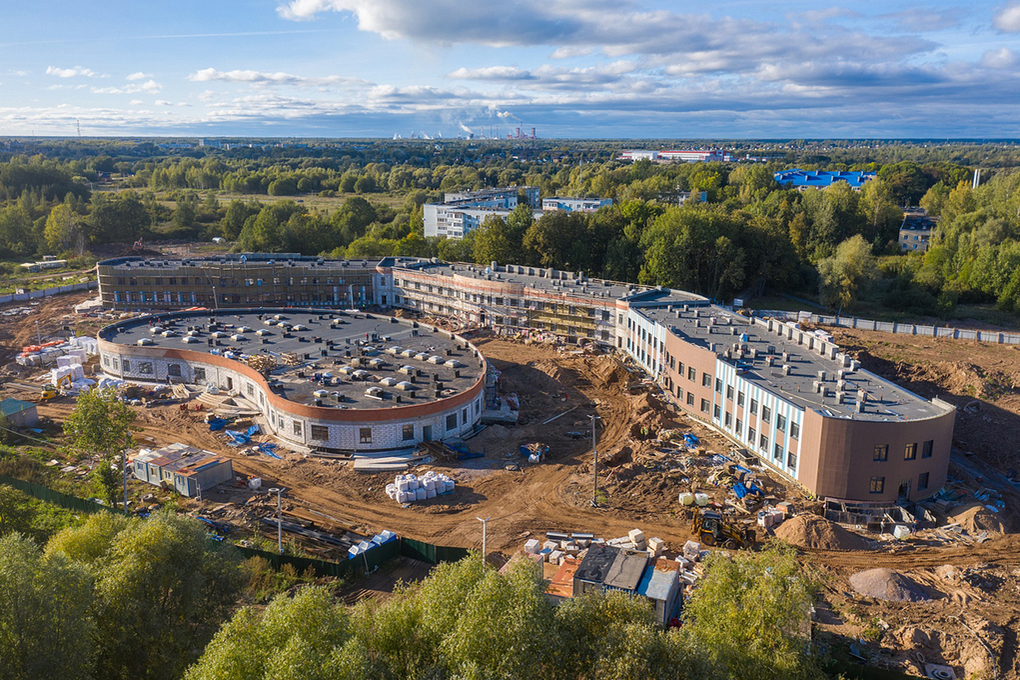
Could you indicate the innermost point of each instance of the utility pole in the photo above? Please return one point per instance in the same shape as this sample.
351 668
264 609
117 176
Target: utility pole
484 524
38 334
279 522
595 464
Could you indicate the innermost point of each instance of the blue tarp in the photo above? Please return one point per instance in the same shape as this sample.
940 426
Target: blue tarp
240 438
691 441
253 430
268 449
740 489
217 424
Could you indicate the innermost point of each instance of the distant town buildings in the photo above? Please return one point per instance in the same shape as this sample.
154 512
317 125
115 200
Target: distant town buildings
916 230
462 211
676 156
555 203
819 179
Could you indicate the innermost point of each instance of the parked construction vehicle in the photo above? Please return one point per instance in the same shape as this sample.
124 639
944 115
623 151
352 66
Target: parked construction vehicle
710 529
53 391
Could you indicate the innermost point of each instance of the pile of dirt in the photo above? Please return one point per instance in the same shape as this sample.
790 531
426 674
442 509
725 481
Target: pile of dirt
818 533
976 518
493 435
887 584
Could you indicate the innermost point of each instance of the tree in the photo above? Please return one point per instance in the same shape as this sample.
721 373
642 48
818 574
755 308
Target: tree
46 623
100 424
161 586
64 230
16 236
493 242
845 274
750 617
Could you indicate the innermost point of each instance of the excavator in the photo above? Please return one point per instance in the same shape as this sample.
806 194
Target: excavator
710 529
54 391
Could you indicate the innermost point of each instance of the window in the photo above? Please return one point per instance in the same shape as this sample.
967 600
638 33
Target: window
766 414
174 370
692 374
752 434
729 419
451 421
690 398
199 374
881 452
910 452
320 432
795 430
365 435
705 405
464 417
249 389
729 392
877 485
127 365
754 407
706 380
740 398
718 385
718 411
791 460
781 422
922 481
740 426
680 368
777 452
408 433
297 428
926 448
763 443
145 368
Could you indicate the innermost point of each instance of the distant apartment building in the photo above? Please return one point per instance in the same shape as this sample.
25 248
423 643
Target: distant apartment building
820 179
566 204
462 211
676 155
916 230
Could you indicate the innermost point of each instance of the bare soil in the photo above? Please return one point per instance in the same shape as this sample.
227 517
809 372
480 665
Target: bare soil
970 621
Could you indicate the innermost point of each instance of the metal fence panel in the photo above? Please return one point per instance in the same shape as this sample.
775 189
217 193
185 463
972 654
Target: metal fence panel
44 493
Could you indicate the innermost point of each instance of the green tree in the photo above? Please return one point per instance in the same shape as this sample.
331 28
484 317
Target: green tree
46 622
64 230
750 618
162 588
847 273
100 424
16 234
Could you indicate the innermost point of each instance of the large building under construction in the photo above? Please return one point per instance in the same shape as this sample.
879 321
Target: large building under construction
788 396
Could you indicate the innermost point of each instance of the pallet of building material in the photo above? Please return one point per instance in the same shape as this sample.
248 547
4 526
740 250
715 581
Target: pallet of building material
381 464
291 358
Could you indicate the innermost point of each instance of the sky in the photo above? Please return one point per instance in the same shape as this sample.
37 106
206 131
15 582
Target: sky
568 68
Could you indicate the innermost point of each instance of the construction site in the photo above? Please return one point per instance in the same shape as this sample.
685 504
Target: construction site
598 452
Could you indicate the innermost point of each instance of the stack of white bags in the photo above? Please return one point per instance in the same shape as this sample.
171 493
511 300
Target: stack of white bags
410 488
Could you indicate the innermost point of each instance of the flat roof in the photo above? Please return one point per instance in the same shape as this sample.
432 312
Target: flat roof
596 563
658 579
560 282
626 571
885 401
388 350
562 584
236 260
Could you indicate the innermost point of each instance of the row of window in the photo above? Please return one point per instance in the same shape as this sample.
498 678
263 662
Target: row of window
909 451
878 483
224 282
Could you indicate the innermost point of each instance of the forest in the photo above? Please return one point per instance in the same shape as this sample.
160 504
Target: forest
750 238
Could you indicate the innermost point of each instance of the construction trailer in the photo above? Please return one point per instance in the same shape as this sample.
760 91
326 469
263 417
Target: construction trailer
19 413
185 469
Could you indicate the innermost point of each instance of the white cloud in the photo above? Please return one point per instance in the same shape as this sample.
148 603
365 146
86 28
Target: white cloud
135 102
571 51
70 72
139 75
148 87
491 73
163 102
1008 18
263 78
1002 58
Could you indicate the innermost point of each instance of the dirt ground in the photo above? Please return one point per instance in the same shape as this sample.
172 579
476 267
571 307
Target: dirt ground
969 622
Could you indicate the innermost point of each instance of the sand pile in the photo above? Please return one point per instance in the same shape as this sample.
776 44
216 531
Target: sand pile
976 518
886 584
812 531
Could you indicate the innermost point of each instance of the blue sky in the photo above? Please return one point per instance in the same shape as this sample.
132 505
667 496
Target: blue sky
570 68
